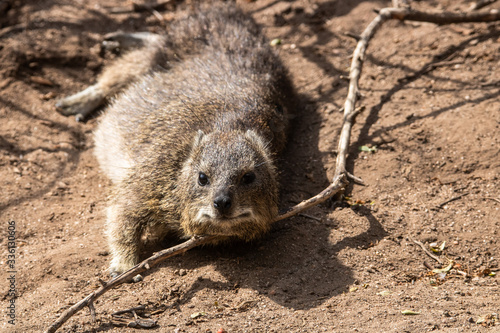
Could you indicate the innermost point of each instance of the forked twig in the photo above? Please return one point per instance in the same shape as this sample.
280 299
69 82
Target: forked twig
340 177
426 251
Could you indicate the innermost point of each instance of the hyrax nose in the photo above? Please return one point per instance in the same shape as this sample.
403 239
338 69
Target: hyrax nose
223 204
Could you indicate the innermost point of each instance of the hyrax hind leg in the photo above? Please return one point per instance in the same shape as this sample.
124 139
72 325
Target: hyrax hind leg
133 64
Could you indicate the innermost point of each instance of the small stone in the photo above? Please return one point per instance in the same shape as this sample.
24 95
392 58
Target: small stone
61 185
49 95
275 42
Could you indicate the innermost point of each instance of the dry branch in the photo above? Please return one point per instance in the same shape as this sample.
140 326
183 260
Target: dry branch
340 177
403 14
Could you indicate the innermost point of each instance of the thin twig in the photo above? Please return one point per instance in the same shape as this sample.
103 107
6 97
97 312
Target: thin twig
426 251
310 217
92 310
355 179
441 205
158 16
403 14
137 308
444 63
459 272
101 281
494 199
13 28
428 266
480 4
352 35
338 183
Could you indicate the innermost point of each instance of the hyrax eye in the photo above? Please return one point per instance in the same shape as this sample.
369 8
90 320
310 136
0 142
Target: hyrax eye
248 178
279 108
202 179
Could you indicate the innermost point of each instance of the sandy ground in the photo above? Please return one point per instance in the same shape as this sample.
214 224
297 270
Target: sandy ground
432 111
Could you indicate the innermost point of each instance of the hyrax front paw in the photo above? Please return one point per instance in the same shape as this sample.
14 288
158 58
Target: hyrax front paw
121 264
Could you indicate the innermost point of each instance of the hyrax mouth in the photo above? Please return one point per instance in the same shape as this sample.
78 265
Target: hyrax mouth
210 221
209 215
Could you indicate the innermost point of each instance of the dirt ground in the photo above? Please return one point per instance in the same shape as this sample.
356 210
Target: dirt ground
432 111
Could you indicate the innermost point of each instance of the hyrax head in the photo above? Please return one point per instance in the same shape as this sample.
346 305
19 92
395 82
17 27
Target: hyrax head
228 185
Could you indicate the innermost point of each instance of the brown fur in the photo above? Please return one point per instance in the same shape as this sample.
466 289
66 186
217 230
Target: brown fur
210 97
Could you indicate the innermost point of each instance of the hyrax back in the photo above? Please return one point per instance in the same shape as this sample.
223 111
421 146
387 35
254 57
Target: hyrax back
190 145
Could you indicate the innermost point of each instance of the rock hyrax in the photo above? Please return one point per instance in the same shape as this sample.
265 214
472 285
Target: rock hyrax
190 140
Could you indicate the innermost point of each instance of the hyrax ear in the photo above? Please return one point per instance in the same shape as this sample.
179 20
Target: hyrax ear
257 140
193 152
261 146
197 139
